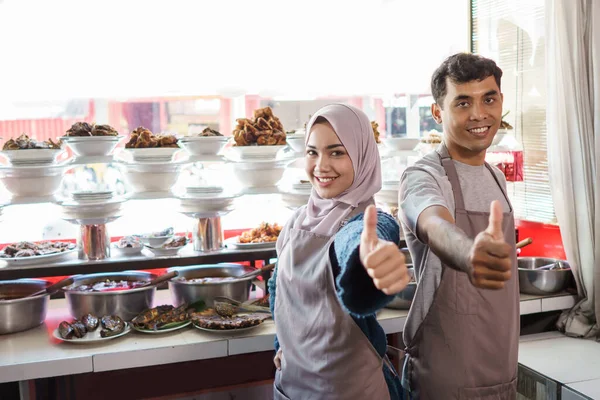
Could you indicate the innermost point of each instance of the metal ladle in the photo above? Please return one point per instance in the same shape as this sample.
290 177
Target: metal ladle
53 288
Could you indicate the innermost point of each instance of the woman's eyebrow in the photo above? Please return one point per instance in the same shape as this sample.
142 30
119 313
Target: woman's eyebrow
331 146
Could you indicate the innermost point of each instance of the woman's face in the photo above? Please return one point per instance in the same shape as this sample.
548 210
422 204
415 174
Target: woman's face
328 164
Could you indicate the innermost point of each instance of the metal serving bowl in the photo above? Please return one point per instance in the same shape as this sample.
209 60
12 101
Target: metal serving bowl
404 299
534 281
188 292
125 303
21 314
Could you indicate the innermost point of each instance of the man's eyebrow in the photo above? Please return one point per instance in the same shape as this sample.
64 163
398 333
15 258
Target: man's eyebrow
492 92
462 97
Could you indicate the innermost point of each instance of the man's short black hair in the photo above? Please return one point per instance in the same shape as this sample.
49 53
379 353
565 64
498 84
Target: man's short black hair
462 68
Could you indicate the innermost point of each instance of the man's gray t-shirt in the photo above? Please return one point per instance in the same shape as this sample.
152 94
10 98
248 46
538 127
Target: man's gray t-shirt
423 185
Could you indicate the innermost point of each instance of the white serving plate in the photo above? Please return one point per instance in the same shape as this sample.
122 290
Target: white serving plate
154 241
32 156
204 145
204 190
32 186
161 331
36 260
255 152
297 142
127 251
294 200
258 173
161 252
87 146
206 205
92 195
92 337
302 187
234 244
155 154
91 138
225 331
401 143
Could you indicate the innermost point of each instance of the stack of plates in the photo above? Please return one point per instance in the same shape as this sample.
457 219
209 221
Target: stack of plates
203 190
92 196
303 187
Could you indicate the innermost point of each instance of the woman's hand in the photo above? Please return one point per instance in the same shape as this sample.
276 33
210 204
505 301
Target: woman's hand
277 359
383 260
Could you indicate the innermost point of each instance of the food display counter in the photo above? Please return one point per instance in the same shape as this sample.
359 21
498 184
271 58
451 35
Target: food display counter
153 165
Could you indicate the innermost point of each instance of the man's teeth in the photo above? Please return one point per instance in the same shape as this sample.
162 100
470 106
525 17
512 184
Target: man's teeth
479 130
325 179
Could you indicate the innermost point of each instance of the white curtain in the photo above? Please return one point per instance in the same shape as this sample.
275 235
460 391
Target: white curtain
573 117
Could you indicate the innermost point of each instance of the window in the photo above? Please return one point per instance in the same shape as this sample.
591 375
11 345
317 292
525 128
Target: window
182 78
512 33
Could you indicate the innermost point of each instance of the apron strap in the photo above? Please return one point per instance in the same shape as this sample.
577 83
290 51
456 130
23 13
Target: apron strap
452 175
510 207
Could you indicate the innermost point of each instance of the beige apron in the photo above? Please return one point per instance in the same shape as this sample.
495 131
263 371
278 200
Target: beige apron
466 348
325 354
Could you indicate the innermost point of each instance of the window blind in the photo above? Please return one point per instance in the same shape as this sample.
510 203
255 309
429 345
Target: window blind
512 33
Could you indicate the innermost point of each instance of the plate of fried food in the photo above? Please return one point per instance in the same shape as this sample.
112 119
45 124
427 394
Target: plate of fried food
30 253
36 152
87 139
162 319
171 247
260 137
145 146
263 237
229 317
91 329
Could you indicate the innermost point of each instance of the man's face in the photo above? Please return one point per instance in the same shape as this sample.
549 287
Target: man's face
471 115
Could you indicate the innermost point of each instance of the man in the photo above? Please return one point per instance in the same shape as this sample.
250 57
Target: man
462 331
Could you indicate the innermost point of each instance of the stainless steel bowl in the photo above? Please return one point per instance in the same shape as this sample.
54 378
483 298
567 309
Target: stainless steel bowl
125 303
541 282
21 314
404 299
189 292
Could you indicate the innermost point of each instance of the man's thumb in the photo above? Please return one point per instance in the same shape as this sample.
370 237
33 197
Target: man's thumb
369 234
495 225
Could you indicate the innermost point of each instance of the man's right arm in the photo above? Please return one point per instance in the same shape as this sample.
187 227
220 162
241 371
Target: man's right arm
436 228
486 259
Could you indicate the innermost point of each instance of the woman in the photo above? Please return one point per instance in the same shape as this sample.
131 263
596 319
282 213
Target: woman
332 275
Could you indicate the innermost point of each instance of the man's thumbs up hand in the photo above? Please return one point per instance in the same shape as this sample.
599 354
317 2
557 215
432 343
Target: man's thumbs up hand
490 256
383 260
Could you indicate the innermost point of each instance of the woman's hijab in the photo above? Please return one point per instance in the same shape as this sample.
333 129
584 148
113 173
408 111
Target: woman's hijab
353 128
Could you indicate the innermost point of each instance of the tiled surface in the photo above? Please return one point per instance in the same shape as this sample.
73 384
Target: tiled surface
589 388
562 359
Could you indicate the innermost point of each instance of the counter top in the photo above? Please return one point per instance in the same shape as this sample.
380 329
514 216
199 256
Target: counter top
574 363
536 304
36 354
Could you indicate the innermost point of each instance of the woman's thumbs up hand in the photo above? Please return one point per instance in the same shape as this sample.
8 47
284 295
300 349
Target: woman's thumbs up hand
383 260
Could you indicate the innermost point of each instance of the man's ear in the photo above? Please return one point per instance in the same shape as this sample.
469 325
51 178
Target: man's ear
436 113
